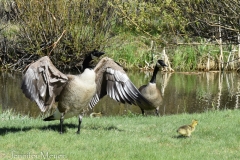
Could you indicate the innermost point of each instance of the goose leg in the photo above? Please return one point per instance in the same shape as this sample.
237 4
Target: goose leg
143 113
61 123
157 111
79 123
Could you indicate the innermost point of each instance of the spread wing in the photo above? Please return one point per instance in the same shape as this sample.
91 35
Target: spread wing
42 82
112 80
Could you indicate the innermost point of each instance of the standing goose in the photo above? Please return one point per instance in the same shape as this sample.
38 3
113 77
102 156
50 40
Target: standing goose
42 82
151 92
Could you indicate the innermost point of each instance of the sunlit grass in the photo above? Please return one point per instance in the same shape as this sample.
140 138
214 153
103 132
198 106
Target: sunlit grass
129 50
126 137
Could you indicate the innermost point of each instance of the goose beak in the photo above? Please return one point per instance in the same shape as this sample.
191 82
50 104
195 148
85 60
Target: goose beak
163 64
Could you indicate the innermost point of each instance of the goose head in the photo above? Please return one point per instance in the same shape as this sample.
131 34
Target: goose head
95 54
161 63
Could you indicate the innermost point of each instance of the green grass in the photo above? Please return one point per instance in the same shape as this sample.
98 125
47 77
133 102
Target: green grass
126 137
130 50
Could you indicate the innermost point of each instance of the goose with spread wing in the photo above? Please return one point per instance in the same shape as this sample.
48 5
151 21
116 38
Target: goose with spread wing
42 82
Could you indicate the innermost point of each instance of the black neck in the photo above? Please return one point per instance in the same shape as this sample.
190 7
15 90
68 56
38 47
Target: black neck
86 62
153 80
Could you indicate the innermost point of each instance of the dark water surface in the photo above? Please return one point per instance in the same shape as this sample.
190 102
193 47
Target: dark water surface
182 93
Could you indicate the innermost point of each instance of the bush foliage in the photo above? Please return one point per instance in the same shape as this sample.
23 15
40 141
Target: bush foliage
68 29
76 27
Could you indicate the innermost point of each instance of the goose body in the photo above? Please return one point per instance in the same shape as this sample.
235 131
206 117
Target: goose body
186 130
43 82
151 91
84 86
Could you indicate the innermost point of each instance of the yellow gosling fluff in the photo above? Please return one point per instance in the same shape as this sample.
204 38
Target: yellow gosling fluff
186 130
96 115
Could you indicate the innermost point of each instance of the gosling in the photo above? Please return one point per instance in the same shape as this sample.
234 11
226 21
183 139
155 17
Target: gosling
97 115
186 130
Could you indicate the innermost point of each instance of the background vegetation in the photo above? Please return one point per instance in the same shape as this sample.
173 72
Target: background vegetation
134 33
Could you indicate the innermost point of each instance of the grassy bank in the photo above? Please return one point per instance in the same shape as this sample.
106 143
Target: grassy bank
126 137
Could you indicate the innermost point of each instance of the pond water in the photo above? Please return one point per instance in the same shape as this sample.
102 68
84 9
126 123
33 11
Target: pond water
182 93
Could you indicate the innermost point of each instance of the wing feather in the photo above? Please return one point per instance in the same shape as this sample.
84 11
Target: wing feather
42 82
113 81
121 95
94 101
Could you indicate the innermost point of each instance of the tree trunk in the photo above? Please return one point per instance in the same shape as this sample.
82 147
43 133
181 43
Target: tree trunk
220 48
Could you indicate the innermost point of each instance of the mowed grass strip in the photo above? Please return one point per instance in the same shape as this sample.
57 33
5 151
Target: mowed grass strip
122 137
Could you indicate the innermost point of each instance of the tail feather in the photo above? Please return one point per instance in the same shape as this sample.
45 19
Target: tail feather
50 118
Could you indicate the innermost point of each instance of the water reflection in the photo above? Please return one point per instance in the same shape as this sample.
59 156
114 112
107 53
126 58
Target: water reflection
182 93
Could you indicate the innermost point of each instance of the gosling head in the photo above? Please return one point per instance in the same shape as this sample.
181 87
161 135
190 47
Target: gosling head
194 122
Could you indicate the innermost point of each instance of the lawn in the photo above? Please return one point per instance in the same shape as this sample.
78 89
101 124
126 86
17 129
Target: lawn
122 137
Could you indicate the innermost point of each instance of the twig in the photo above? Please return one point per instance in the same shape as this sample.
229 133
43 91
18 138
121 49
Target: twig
230 61
55 43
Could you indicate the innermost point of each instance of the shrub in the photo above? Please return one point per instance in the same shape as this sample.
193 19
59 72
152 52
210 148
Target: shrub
76 27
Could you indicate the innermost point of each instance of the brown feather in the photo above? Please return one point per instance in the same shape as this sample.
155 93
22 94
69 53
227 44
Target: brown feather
42 82
113 81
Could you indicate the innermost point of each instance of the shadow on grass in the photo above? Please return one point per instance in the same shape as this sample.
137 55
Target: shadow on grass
108 128
55 127
6 130
180 136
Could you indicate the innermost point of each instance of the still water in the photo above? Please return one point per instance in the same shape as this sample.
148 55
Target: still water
182 93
